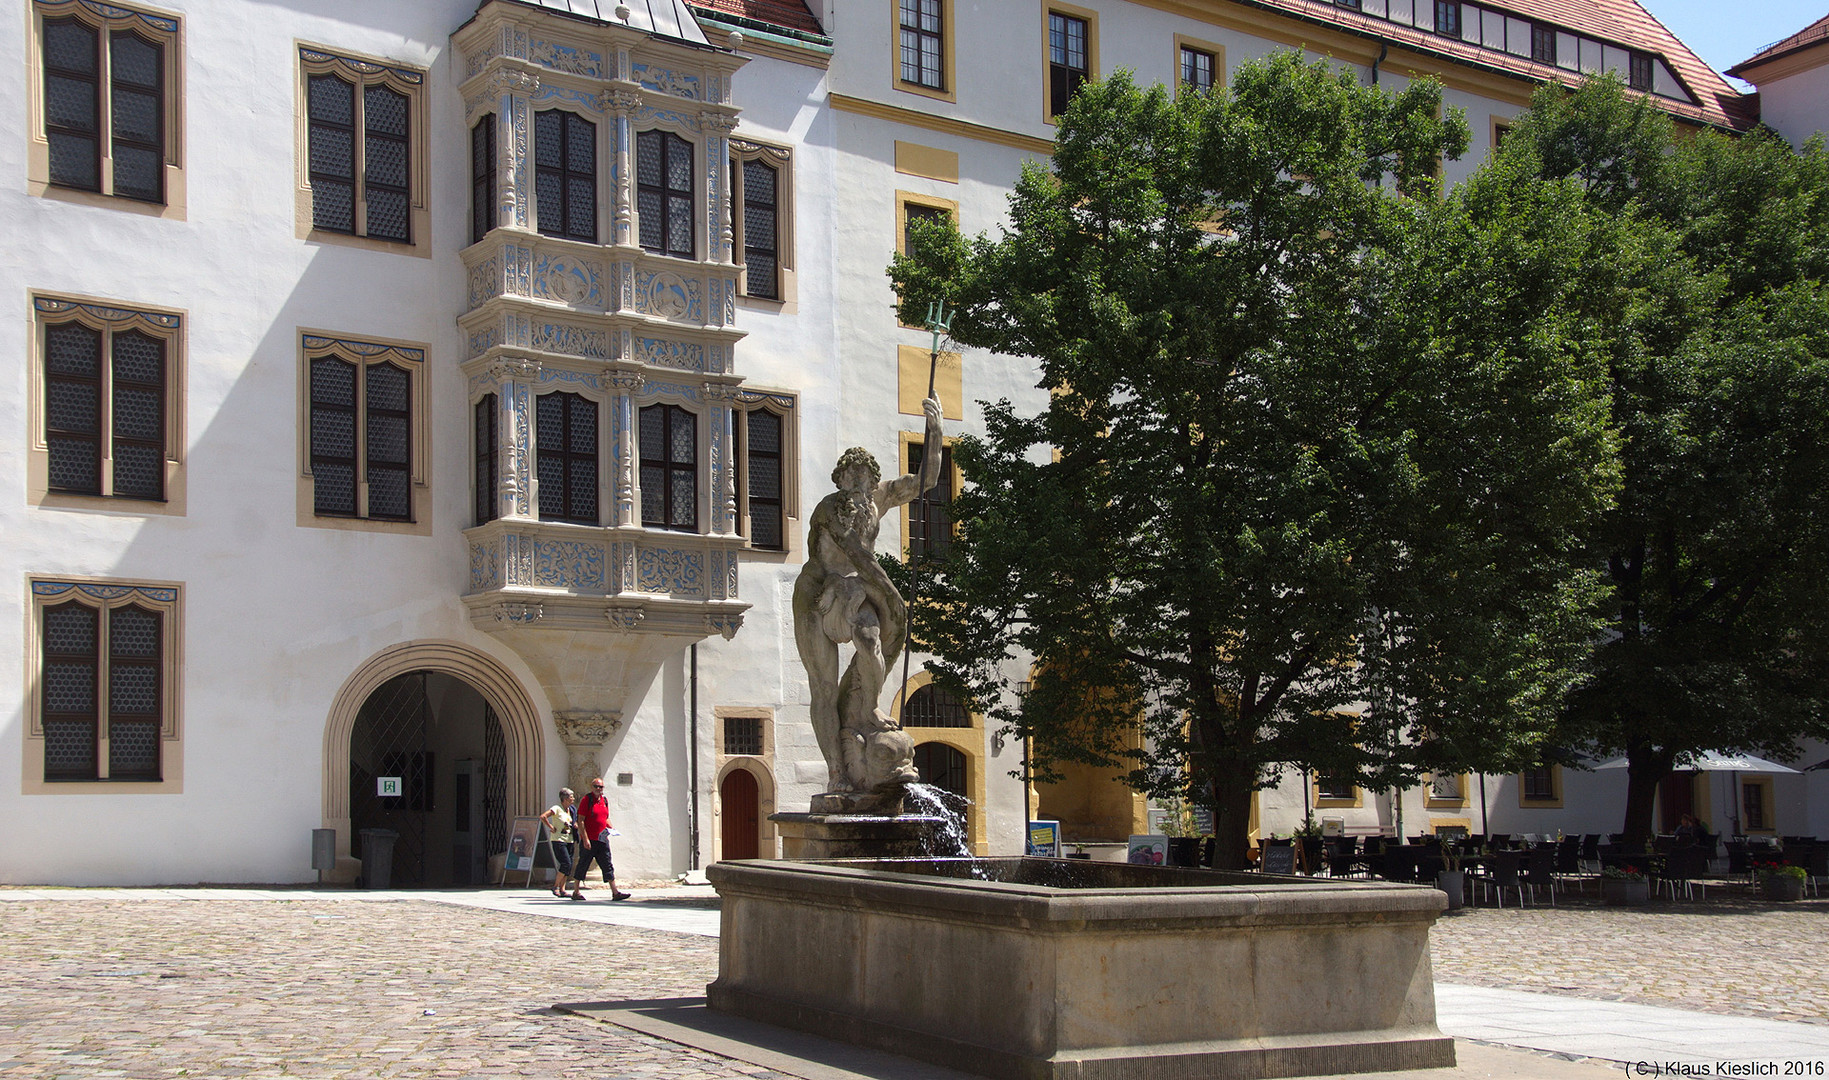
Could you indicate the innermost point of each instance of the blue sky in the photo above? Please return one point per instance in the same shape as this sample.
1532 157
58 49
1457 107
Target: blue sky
1725 32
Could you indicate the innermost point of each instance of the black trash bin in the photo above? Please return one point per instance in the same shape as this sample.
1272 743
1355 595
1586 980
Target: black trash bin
378 857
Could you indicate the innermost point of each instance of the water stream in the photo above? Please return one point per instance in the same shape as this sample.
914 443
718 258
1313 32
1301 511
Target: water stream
949 840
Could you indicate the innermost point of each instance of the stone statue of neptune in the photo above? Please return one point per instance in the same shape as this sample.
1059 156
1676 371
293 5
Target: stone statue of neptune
843 596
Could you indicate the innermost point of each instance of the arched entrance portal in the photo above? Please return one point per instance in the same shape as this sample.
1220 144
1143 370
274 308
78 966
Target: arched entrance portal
467 669
427 760
742 815
946 768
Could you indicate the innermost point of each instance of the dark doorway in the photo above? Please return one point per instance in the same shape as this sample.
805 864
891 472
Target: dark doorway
742 807
1676 797
427 760
945 767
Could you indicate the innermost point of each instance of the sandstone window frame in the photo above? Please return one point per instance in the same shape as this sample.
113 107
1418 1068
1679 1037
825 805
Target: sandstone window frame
168 325
365 351
362 72
160 27
1331 798
1441 797
743 151
106 594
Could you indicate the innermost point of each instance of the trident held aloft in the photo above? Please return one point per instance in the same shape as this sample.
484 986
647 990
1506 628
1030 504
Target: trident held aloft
938 322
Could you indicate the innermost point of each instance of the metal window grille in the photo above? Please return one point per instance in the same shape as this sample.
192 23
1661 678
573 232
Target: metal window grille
930 516
932 706
102 664
743 736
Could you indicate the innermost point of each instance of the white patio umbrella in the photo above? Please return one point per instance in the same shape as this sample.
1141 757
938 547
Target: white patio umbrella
1716 761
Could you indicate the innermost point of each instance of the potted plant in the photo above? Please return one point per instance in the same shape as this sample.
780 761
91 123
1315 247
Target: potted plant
1452 879
1178 825
1624 885
1780 882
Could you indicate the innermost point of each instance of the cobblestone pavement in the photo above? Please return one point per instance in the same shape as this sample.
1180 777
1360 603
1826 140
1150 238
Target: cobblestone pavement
227 988
1730 954
162 987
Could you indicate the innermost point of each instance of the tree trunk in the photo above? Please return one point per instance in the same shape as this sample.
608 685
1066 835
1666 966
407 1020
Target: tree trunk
1647 767
1232 821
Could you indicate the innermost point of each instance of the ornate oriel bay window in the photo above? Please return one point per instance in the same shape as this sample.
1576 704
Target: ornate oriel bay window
600 346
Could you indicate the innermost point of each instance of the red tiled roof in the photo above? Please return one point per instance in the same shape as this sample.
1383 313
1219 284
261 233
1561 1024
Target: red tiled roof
789 14
1622 22
1816 33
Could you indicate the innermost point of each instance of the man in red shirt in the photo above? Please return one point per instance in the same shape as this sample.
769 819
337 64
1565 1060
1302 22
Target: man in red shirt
594 841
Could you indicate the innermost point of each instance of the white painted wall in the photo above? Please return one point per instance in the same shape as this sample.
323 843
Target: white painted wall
1797 106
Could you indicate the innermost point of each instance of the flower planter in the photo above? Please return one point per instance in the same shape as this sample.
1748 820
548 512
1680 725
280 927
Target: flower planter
1619 892
1781 887
1454 883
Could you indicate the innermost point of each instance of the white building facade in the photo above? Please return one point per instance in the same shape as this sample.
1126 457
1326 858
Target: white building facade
415 406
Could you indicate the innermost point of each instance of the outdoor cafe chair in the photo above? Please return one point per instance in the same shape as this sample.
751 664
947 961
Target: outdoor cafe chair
1540 869
1684 868
1502 873
1817 868
1739 863
1590 852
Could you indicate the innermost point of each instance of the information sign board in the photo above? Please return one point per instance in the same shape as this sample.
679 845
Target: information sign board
1149 849
1045 839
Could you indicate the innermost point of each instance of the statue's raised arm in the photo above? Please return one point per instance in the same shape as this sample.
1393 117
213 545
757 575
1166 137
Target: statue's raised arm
906 488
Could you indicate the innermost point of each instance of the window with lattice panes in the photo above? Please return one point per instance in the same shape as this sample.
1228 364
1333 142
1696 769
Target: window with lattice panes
930 515
663 193
743 736
933 706
361 146
1069 58
669 468
923 43
1335 787
761 217
565 457
1197 68
109 98
487 478
107 377
364 425
105 665
483 213
565 175
759 450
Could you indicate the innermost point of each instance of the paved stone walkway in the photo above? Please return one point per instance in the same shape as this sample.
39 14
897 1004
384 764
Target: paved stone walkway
1729 955
287 983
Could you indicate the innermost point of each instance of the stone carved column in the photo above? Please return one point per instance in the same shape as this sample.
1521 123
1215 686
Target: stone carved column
723 493
514 377
620 106
584 734
627 479
717 127
513 88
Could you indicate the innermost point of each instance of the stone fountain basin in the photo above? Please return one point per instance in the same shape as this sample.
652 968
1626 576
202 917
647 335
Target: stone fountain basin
1035 968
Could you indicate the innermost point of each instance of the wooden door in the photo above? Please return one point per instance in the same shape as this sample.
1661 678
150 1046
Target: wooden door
742 828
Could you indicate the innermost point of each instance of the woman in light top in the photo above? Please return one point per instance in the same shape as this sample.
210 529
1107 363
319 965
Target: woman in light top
558 819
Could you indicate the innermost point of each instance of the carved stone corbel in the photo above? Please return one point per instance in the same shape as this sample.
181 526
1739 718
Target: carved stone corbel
584 733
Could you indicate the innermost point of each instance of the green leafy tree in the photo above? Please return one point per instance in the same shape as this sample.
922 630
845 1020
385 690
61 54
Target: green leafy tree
1716 324
1318 453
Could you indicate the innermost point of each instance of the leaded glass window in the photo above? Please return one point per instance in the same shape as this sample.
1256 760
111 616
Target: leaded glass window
104 107
565 170
669 468
762 462
932 706
761 224
102 684
663 193
565 457
361 435
482 178
487 478
105 398
359 134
